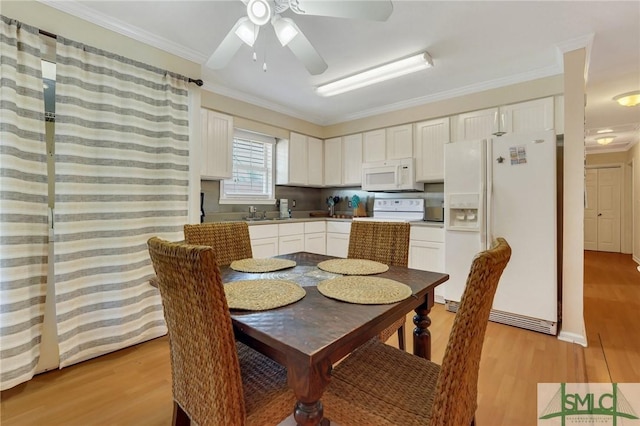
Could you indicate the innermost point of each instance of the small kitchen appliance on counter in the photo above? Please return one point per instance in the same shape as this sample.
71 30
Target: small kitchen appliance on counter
284 208
434 207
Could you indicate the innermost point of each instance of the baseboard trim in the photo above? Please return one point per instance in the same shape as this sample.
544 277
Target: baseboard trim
579 339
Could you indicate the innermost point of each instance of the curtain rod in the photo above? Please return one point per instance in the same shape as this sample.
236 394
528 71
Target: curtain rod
198 82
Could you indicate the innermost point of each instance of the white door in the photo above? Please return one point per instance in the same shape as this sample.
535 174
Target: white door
591 210
602 213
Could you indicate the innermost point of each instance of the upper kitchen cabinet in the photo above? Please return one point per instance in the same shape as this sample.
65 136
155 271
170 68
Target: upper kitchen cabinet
400 142
374 146
315 155
352 160
299 161
387 144
333 162
216 145
521 117
343 161
430 137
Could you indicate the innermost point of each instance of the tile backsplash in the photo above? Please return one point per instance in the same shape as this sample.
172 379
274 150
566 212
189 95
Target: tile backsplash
307 200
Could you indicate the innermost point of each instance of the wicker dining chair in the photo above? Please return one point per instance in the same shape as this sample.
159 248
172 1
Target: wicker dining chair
230 240
216 381
380 385
385 242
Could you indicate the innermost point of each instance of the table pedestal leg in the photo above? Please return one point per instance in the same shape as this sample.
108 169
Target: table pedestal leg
421 334
308 414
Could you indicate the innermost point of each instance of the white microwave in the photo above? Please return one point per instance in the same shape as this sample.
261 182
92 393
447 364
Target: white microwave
390 176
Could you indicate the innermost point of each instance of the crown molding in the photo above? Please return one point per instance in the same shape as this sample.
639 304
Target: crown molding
581 42
85 13
454 93
260 102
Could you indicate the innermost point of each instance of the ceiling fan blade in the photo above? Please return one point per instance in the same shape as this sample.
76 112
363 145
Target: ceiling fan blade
305 52
377 10
227 48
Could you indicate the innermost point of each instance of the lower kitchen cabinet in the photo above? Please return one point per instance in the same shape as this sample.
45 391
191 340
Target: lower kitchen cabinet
426 252
338 238
290 238
264 240
315 237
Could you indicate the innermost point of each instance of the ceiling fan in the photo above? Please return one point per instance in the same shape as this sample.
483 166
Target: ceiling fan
261 12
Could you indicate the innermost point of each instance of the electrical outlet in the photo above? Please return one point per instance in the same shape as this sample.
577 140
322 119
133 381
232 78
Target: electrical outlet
293 203
350 204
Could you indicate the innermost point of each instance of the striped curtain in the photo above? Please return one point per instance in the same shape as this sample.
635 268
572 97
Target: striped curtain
23 202
121 178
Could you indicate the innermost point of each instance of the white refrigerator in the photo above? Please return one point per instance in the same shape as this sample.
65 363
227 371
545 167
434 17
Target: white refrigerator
505 187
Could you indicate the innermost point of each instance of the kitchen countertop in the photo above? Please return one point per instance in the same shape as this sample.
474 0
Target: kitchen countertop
332 219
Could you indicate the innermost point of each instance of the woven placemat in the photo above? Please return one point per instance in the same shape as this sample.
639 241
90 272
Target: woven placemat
260 295
261 265
353 266
365 290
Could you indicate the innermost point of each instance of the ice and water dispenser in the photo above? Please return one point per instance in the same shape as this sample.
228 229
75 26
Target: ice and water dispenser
464 210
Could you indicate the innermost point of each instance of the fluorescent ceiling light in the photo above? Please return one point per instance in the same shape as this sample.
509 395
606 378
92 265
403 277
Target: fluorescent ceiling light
605 140
604 131
628 99
285 29
376 75
247 32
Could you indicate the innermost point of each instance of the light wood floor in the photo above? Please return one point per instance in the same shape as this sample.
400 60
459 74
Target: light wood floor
133 386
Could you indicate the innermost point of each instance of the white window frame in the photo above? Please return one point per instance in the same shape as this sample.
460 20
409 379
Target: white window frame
252 199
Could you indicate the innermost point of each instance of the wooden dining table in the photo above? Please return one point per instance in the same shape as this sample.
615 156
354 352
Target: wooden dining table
309 336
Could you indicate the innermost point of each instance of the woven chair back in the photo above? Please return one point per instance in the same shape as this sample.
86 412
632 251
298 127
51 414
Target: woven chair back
204 363
385 242
230 240
456 392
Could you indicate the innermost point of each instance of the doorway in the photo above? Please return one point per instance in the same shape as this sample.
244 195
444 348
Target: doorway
602 209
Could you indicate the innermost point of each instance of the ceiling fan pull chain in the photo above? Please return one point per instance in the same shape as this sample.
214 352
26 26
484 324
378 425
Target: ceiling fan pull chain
264 56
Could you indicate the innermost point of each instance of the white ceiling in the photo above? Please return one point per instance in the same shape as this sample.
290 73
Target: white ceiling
475 46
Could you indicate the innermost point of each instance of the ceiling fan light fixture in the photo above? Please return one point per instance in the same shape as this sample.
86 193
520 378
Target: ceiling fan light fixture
247 32
605 140
378 74
286 30
259 11
628 99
